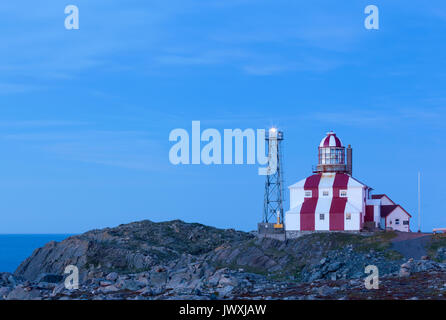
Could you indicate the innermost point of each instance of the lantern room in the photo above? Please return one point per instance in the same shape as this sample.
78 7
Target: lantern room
332 155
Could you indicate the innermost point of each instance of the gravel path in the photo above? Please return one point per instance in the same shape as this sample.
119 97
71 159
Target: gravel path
411 245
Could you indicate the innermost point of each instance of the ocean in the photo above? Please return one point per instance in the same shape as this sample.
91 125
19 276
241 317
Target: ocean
14 248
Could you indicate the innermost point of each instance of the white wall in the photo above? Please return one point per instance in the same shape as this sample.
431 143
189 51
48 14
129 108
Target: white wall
323 206
377 215
385 201
398 213
322 224
292 221
355 197
354 223
296 197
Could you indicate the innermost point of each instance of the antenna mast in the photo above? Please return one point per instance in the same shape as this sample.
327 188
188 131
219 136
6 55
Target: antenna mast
273 200
419 201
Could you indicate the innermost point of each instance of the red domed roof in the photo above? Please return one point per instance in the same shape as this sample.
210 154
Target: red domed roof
330 141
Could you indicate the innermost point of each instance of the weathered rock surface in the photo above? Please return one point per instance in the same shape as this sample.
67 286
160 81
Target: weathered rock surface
311 257
131 247
441 254
177 260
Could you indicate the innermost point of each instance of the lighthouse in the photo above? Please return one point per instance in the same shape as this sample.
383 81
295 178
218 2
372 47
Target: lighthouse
331 199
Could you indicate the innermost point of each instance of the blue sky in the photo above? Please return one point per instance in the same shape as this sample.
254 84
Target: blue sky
85 114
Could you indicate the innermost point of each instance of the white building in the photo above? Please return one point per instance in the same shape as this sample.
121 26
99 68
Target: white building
332 200
389 214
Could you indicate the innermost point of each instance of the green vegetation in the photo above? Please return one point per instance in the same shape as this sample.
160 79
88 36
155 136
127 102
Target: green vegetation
434 245
380 241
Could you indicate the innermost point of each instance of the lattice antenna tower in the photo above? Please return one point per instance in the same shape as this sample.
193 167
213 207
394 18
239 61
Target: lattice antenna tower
274 192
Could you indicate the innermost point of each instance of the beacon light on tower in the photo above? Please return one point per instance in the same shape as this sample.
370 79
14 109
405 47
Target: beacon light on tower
273 198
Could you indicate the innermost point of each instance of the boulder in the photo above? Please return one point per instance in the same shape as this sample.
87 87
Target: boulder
112 276
60 288
130 285
224 292
49 278
4 291
24 293
108 289
158 278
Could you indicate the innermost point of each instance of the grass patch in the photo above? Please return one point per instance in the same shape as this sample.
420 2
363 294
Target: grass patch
393 255
434 245
235 267
380 241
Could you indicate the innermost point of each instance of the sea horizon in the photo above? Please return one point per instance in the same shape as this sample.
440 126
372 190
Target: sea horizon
16 247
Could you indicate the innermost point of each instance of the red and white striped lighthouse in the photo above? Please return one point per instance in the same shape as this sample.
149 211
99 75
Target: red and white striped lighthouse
331 199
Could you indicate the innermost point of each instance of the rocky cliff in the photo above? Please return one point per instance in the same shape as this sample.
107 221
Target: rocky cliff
127 248
147 260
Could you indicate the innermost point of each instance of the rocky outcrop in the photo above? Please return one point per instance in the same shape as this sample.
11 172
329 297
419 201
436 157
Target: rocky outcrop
177 260
310 257
141 246
199 280
54 257
441 254
424 265
128 248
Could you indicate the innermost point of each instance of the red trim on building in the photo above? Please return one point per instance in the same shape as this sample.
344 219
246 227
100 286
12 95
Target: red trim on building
380 196
308 209
337 210
327 140
312 182
340 183
307 214
338 142
388 209
369 213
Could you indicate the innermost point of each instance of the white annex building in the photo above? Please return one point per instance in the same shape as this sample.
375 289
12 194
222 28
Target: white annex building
332 200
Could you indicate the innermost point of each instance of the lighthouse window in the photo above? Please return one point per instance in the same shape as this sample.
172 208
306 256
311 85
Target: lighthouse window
322 216
343 193
325 193
308 194
348 216
332 155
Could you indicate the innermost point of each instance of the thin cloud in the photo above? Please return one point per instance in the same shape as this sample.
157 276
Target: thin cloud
379 118
41 123
125 149
14 88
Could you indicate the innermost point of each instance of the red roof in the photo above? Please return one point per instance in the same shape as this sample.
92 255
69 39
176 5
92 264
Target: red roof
330 141
380 196
388 209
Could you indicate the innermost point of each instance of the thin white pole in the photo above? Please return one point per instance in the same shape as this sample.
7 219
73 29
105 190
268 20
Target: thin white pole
419 201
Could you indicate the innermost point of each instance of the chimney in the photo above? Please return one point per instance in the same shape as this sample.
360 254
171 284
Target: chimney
349 160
